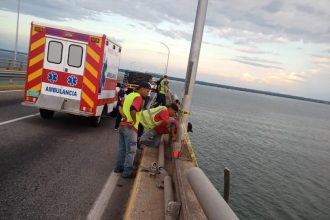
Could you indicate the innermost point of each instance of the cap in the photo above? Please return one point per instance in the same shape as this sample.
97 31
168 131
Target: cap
144 85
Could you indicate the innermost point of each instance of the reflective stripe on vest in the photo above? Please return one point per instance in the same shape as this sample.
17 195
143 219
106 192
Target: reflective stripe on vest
127 108
148 117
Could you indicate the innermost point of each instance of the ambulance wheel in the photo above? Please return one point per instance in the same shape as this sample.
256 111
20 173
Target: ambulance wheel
46 114
96 121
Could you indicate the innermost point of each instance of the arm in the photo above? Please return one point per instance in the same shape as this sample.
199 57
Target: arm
133 115
173 132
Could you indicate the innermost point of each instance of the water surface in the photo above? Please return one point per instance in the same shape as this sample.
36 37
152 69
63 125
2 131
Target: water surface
277 149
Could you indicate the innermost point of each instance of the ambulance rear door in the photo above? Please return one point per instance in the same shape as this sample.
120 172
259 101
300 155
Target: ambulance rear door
63 68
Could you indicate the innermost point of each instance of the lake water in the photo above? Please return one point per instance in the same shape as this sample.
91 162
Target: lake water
277 149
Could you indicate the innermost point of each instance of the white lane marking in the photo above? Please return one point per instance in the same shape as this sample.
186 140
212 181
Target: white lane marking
102 201
18 119
11 91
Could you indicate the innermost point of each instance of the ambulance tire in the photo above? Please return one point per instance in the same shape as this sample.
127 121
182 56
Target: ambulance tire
96 121
46 114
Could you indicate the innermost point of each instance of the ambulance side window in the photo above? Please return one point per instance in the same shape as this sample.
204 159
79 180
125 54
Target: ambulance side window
54 54
75 55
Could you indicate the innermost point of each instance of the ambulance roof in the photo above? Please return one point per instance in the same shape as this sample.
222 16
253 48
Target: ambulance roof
67 28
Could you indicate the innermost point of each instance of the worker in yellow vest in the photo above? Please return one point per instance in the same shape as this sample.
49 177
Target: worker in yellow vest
131 106
163 90
151 119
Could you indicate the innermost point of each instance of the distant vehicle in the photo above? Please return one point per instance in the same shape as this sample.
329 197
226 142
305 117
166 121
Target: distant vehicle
133 78
71 71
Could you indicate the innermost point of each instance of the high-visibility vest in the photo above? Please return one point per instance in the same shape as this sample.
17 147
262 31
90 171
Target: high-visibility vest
127 108
162 89
147 117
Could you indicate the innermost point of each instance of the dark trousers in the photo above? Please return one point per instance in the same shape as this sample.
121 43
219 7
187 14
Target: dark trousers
162 99
118 119
140 132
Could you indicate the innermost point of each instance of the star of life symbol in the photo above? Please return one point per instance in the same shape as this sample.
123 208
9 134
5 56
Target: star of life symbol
52 77
72 80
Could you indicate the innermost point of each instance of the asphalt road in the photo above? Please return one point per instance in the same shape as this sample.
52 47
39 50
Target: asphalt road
55 169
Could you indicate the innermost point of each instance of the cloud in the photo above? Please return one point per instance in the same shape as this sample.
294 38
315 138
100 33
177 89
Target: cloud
322 62
59 10
254 21
152 11
174 34
254 61
273 19
214 44
295 77
248 77
282 77
309 9
273 6
255 50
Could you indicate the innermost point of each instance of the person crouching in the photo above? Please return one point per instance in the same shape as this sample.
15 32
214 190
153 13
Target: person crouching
157 121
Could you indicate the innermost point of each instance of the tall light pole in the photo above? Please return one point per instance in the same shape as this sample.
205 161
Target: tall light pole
168 56
193 58
18 8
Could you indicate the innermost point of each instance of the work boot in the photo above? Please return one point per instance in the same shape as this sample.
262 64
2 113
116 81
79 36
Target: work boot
129 176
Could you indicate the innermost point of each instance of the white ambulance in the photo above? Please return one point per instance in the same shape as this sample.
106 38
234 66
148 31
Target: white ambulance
71 71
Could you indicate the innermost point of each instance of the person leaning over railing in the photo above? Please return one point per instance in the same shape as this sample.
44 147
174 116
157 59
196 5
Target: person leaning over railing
157 121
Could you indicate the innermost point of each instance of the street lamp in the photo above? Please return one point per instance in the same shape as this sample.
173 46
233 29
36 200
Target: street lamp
168 56
18 8
193 58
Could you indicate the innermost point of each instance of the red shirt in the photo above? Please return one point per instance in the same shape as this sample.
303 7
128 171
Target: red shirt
163 127
136 105
162 116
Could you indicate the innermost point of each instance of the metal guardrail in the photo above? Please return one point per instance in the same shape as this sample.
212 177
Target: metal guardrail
11 77
11 64
214 206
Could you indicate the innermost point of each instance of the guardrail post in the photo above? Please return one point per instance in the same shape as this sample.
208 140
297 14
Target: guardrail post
226 187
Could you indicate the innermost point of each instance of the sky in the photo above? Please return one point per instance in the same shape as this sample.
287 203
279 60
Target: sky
273 45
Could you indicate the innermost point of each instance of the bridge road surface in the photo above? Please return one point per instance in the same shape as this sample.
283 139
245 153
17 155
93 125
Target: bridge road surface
55 169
